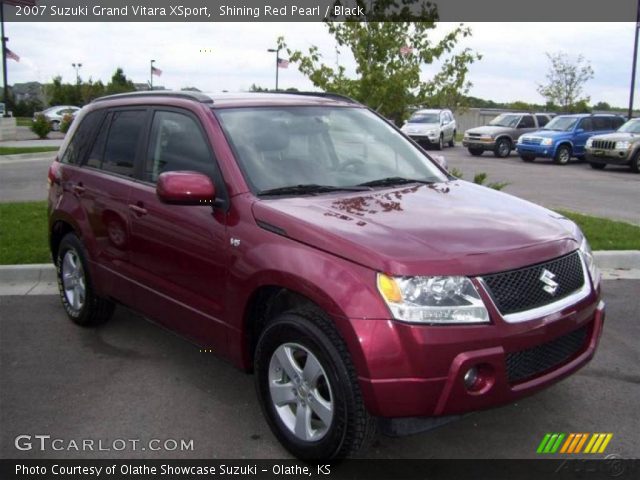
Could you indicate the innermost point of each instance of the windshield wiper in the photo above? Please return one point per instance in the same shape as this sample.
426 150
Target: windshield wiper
310 188
384 182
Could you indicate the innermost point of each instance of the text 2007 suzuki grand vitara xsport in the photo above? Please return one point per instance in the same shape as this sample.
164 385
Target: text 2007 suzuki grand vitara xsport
304 238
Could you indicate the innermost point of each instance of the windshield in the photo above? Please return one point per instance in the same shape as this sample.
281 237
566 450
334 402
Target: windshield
505 120
424 118
561 124
632 126
332 147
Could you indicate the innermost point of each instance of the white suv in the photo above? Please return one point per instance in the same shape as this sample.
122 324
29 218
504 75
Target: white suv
431 127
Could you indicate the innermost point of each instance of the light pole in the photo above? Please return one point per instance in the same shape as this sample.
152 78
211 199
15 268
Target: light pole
151 75
77 67
635 61
277 52
4 61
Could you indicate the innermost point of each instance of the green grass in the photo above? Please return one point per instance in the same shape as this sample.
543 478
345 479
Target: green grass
24 121
16 150
23 233
605 234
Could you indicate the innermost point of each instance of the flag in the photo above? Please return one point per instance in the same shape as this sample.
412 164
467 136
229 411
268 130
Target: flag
406 50
282 63
12 55
156 71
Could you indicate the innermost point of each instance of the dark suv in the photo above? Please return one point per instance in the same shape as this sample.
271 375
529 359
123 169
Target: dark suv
304 238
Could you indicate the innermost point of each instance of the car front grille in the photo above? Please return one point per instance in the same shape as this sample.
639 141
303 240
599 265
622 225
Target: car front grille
474 135
531 141
523 289
603 144
532 362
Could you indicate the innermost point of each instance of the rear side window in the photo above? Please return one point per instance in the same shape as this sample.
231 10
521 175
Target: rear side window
602 123
82 138
122 141
617 122
542 120
177 143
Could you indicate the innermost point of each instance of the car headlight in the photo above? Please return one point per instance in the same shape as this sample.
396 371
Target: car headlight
589 260
623 145
431 132
546 141
433 300
589 143
486 137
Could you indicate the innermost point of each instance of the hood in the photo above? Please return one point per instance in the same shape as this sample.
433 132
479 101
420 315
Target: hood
549 134
419 127
489 130
452 228
618 137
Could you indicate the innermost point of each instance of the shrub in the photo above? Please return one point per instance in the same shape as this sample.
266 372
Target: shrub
480 179
66 122
41 126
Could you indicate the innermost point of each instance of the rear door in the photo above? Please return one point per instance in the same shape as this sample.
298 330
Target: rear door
103 188
180 252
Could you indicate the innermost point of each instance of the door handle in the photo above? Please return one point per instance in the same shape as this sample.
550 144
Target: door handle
138 209
78 189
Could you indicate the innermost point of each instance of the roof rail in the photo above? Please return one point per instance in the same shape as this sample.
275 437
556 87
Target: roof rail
197 96
331 95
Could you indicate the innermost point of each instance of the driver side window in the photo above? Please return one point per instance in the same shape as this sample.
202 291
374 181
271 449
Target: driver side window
176 143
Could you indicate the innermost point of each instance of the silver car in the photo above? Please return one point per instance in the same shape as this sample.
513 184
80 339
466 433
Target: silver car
433 127
502 133
55 114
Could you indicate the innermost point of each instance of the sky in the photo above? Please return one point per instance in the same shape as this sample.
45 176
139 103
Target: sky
232 56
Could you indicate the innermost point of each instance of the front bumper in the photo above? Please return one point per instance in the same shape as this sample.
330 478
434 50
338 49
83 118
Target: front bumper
545 151
424 139
477 143
619 157
419 370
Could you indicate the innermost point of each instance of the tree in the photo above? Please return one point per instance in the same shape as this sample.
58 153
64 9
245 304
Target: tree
602 106
389 57
91 90
59 93
565 81
119 83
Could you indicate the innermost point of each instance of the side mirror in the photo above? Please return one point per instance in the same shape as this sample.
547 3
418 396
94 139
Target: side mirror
579 130
185 188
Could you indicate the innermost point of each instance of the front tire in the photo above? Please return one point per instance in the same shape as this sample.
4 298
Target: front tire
308 388
563 155
635 163
527 158
598 166
440 144
80 302
502 148
55 126
476 152
452 142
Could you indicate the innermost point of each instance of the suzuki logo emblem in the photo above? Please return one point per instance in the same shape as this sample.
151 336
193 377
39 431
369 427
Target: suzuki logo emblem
550 285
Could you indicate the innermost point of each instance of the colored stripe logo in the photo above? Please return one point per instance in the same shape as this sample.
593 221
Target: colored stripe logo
573 443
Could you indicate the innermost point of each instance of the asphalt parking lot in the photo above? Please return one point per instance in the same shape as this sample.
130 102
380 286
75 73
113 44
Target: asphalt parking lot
612 193
129 379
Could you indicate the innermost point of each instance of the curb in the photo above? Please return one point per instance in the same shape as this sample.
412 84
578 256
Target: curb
40 278
28 156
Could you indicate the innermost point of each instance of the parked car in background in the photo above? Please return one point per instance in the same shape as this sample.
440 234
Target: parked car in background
55 114
304 239
565 136
619 148
502 132
432 127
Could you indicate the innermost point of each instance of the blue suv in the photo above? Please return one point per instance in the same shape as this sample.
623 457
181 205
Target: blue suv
565 136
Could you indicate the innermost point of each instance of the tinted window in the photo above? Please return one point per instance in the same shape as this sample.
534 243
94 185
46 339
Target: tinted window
617 122
527 122
542 120
601 123
176 143
94 159
122 141
82 138
586 124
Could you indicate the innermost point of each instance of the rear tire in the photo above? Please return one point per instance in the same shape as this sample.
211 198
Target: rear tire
563 155
476 152
80 302
598 166
55 126
333 422
502 148
527 158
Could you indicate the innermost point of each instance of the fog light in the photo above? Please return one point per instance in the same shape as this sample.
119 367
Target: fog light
470 378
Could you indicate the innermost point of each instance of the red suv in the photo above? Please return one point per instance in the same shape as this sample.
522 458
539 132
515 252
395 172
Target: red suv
304 238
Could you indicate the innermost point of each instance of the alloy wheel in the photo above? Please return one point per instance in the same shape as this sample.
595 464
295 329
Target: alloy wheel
73 280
